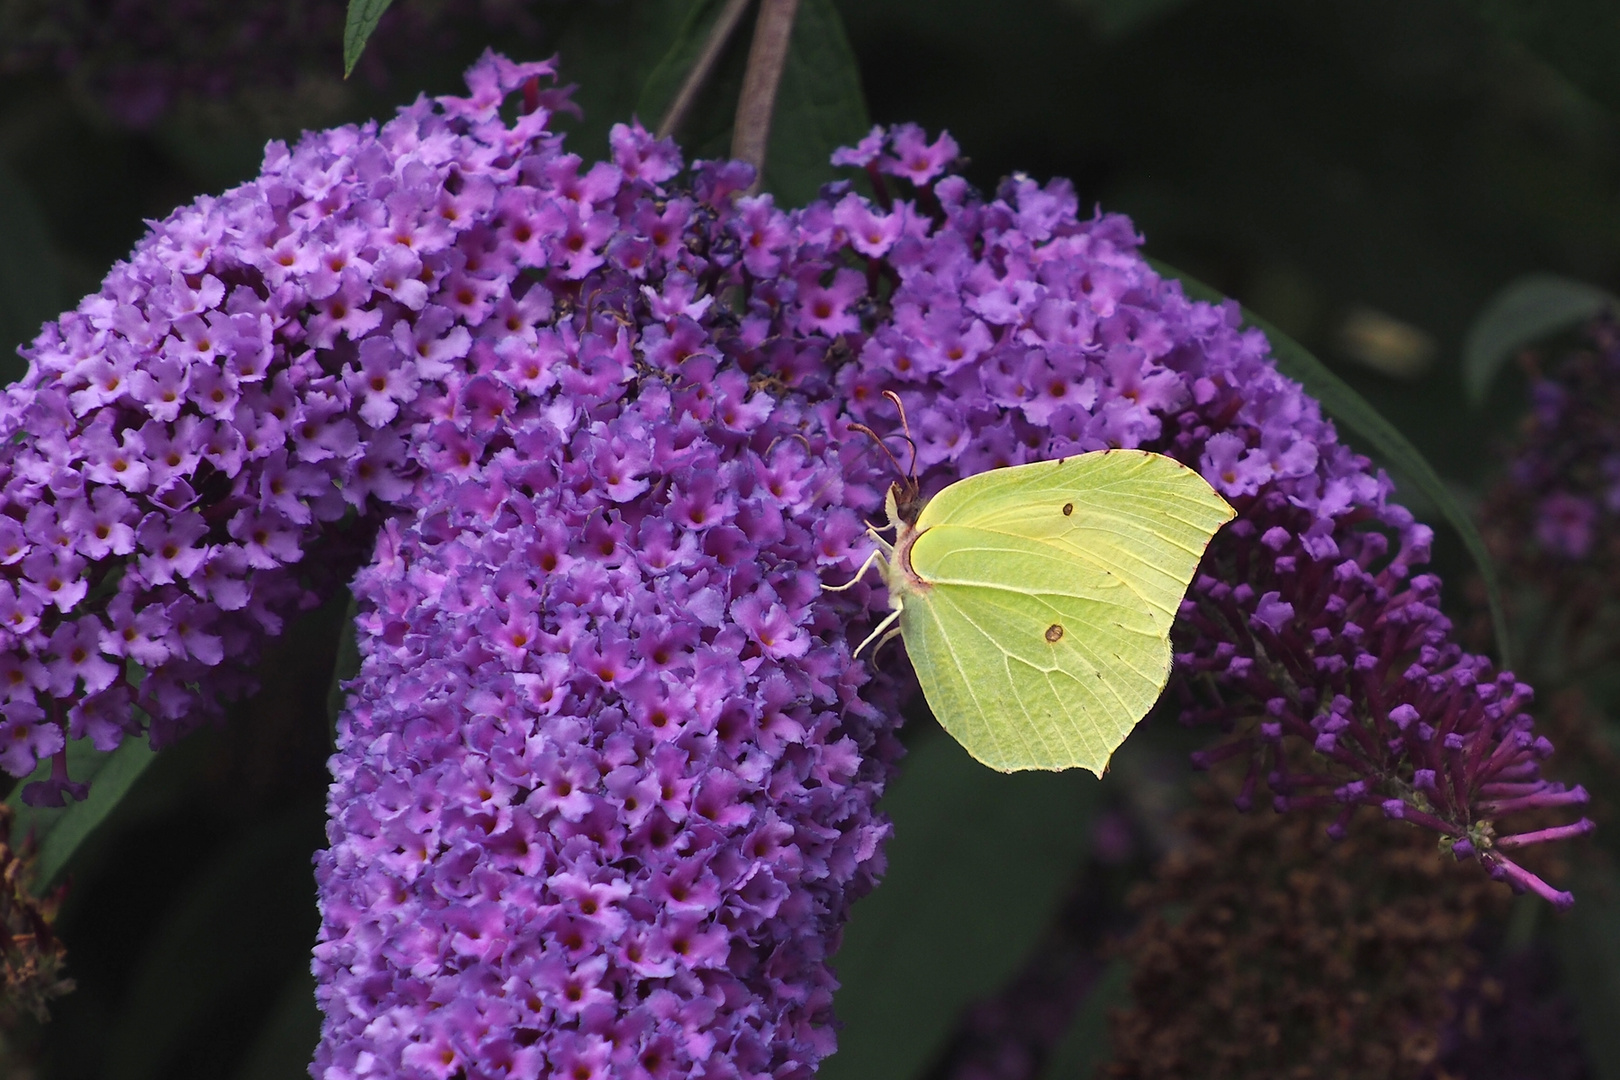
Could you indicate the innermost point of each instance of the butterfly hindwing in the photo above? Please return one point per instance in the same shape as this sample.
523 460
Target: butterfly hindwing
1051 675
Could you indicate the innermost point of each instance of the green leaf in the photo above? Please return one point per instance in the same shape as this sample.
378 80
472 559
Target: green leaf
819 104
30 282
1352 410
1527 309
61 830
1588 941
237 933
1085 1047
978 866
357 30
1580 39
710 118
286 1043
345 666
608 50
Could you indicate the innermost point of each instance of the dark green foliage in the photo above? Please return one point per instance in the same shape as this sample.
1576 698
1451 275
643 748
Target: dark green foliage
1526 311
819 106
30 282
978 866
1578 38
1589 947
358 28
60 830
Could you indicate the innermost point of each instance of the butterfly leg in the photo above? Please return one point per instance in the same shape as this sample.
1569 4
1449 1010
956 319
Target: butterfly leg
877 553
894 632
879 632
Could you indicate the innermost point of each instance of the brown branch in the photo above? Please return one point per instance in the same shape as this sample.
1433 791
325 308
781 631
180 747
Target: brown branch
698 77
766 59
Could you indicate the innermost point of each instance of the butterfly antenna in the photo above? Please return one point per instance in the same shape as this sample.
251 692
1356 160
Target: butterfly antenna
905 430
865 566
869 433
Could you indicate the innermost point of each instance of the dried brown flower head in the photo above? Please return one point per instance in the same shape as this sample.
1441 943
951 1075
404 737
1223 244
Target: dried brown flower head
1270 951
32 958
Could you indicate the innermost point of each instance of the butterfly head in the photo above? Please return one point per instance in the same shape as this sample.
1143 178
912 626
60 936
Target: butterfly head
904 502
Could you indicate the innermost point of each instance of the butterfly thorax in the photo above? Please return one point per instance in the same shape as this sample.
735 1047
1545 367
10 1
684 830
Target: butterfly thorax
902 506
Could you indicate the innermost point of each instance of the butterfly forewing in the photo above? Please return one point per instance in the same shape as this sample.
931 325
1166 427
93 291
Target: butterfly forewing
1142 517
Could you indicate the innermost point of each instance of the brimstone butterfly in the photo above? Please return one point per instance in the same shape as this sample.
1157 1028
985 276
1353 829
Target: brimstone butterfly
1035 601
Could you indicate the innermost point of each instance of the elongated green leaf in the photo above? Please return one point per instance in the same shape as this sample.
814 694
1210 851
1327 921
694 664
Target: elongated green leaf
978 865
357 30
819 104
30 283
1352 410
236 936
1588 941
345 666
1580 39
286 1043
61 830
661 85
1526 310
1085 1045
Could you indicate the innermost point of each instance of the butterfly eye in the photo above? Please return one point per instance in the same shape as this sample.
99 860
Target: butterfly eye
1054 633
1068 508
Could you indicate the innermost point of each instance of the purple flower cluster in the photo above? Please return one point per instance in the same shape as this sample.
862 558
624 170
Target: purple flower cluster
604 789
1553 519
263 375
1021 332
1568 469
608 730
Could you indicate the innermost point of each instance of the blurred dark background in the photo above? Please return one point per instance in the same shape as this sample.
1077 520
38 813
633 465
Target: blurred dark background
1366 174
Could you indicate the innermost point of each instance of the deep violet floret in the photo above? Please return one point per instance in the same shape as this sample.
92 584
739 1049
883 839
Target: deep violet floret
1017 331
